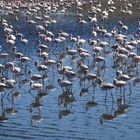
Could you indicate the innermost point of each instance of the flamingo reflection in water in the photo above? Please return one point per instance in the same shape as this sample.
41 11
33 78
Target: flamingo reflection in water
2 89
9 110
65 99
12 110
122 109
36 118
64 113
92 103
3 117
36 105
94 79
108 115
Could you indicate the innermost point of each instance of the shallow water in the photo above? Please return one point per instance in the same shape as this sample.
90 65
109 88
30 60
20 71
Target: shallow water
80 123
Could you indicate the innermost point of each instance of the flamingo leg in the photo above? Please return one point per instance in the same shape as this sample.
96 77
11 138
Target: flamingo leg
106 96
112 96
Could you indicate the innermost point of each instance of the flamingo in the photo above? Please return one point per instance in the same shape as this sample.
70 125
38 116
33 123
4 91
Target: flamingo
35 86
64 83
106 87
